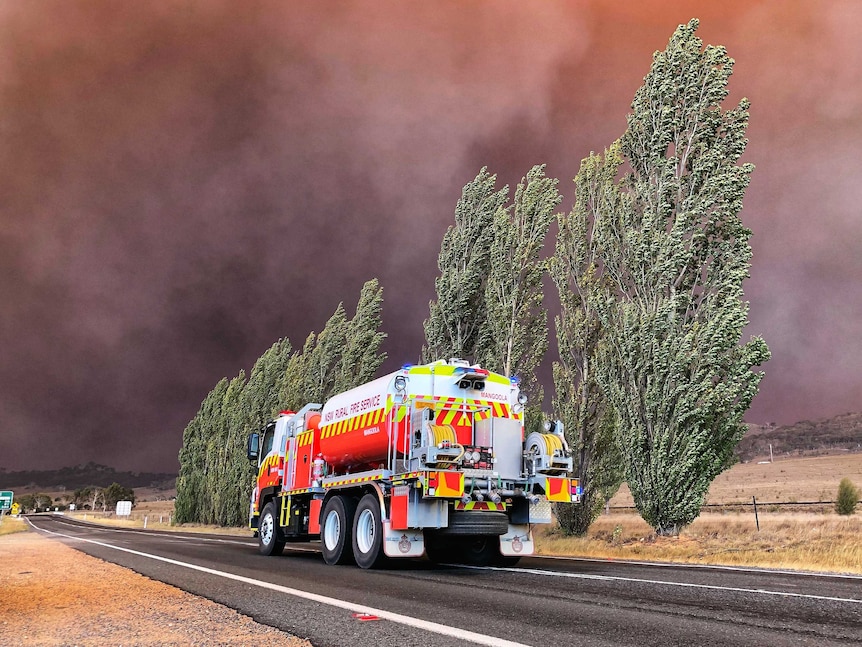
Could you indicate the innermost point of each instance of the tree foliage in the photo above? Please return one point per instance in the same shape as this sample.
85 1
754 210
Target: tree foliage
216 479
514 339
848 497
490 302
458 315
116 492
675 253
579 402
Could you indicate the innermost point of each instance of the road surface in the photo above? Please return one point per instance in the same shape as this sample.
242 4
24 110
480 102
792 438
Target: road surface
541 602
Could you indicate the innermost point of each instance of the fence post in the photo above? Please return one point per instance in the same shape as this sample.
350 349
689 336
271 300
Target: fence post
756 518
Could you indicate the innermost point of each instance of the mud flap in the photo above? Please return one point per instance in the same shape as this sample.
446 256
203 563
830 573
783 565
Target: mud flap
402 543
517 542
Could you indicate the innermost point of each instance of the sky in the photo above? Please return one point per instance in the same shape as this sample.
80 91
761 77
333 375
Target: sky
184 183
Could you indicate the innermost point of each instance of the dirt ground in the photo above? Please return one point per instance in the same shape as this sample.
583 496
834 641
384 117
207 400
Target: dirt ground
52 595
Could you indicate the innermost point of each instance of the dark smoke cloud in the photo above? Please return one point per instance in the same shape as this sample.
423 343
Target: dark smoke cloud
183 183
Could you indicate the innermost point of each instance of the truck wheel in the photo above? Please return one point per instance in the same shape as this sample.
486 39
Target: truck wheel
269 541
439 551
368 533
484 551
337 531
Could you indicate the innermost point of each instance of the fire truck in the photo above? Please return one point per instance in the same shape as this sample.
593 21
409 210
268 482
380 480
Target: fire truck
428 460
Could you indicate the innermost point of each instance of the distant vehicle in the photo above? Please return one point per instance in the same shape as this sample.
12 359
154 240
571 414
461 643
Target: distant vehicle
430 459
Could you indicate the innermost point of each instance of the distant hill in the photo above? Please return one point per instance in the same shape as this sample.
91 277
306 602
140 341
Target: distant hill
91 474
842 433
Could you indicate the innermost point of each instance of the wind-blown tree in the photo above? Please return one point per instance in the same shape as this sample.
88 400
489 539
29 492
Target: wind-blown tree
266 384
457 316
675 254
323 356
361 356
345 354
193 493
514 337
215 477
589 420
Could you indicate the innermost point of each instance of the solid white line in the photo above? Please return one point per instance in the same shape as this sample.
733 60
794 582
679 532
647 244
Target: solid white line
720 567
416 623
586 576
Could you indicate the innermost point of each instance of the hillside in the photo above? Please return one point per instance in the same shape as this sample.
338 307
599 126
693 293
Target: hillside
843 433
91 474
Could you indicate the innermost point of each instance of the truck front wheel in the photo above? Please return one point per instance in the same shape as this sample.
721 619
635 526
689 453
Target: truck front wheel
269 541
337 533
368 533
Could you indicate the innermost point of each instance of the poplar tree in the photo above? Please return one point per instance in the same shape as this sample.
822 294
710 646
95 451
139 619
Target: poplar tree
193 490
514 337
361 356
322 357
675 254
458 315
589 420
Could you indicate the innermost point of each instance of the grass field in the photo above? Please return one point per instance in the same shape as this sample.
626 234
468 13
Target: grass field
785 481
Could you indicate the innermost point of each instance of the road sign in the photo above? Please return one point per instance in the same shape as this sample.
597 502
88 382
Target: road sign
6 497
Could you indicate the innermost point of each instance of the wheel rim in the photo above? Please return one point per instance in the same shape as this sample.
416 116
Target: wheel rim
365 531
266 529
331 530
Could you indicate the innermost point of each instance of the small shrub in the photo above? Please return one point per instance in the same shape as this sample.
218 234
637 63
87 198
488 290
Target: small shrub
848 497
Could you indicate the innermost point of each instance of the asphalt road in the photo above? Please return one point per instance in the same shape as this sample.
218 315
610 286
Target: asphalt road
541 602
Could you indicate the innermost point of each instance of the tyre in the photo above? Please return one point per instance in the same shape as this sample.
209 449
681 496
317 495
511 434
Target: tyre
336 534
478 550
269 538
368 533
482 550
439 551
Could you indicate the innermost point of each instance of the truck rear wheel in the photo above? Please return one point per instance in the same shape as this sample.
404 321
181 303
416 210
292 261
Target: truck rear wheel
478 550
484 551
337 531
269 538
368 533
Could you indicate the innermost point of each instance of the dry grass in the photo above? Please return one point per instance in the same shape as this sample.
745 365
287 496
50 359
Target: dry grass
153 515
784 481
799 541
12 524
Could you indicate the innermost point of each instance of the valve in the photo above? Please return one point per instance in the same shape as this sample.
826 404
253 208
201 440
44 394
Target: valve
317 470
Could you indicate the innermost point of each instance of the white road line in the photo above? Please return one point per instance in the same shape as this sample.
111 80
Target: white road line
712 587
719 567
417 623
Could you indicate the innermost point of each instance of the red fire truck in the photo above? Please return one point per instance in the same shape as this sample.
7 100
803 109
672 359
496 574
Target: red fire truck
428 460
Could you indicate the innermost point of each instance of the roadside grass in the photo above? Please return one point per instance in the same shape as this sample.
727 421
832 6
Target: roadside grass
12 524
154 515
796 541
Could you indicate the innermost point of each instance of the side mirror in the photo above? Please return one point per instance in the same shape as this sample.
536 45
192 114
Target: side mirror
253 449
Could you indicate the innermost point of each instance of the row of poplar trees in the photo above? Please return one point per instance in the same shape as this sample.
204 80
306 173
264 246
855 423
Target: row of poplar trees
215 478
651 382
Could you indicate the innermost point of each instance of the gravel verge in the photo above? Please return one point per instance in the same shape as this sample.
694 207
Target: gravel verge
51 594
